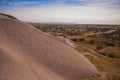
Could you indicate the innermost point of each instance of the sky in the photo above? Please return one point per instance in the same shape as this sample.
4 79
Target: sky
64 11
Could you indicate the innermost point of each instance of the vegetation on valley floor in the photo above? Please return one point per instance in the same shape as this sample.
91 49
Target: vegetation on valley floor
100 44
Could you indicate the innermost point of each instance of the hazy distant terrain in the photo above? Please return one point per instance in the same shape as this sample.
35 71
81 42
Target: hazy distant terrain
99 43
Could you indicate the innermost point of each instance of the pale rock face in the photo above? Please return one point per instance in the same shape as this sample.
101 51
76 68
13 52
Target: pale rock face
6 16
27 53
2 16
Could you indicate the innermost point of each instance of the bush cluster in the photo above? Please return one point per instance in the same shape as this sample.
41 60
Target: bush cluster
92 41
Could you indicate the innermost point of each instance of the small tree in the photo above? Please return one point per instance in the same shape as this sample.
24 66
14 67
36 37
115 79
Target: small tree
100 46
81 39
92 41
110 55
109 44
74 39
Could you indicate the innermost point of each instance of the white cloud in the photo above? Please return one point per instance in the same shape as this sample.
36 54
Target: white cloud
106 3
73 14
61 2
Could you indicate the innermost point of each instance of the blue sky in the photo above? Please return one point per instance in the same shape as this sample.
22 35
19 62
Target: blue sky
25 3
69 11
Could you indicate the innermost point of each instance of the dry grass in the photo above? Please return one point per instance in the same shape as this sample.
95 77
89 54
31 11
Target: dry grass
109 68
106 59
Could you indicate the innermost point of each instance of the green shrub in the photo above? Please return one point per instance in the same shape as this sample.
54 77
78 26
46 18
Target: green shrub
81 39
102 53
100 46
92 41
74 39
119 44
110 55
109 44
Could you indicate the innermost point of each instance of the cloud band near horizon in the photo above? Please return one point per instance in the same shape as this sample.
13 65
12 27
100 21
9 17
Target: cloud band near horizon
70 11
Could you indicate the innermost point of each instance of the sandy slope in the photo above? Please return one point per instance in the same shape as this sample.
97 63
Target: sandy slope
28 54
